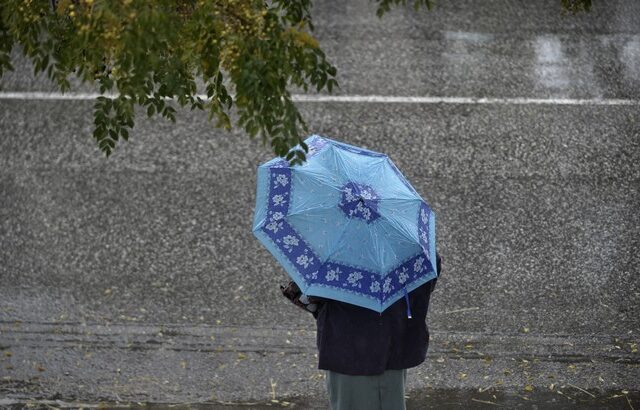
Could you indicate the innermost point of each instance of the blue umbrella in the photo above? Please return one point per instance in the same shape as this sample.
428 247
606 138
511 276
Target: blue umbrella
346 225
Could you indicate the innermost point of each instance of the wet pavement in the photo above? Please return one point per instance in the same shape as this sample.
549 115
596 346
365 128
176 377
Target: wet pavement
136 279
560 398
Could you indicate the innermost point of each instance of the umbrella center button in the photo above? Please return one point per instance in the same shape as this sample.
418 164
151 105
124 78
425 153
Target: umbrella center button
359 201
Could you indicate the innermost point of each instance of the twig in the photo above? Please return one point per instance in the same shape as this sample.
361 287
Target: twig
229 403
582 390
273 389
561 393
462 310
485 401
629 401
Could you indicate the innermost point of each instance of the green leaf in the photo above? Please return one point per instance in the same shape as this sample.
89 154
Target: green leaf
290 155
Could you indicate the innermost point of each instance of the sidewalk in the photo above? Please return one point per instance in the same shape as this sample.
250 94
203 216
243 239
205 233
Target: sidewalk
274 367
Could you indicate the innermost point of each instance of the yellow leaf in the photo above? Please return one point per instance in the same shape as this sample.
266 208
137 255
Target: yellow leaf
528 388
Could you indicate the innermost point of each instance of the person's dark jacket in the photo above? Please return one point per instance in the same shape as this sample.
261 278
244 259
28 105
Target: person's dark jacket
359 341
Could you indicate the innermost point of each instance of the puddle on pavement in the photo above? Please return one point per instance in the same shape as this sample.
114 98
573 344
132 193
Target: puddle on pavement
565 398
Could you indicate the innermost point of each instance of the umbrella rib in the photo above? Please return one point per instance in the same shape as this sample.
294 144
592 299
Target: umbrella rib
398 231
333 250
313 208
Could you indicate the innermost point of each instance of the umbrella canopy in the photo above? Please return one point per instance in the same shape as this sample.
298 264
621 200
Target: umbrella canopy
346 225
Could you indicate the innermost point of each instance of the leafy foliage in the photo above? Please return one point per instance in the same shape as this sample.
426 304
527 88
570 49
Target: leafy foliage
575 6
142 53
385 5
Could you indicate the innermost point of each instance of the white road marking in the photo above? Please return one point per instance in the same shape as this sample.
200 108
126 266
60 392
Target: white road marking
389 99
461 100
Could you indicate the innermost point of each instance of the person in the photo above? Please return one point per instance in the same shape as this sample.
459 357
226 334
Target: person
366 354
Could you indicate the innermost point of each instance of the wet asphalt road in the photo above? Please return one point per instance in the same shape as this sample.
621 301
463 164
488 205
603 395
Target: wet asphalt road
137 278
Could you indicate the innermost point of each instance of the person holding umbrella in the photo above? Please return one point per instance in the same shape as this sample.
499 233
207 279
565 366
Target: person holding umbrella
359 243
365 354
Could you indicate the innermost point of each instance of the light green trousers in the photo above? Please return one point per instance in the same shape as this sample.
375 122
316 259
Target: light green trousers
380 392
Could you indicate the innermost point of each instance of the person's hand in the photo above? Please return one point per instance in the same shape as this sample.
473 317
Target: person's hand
294 294
291 291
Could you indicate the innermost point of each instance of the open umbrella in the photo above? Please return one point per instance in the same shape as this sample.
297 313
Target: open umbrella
346 225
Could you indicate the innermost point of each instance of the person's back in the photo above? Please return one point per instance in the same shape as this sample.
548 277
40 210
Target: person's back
366 353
